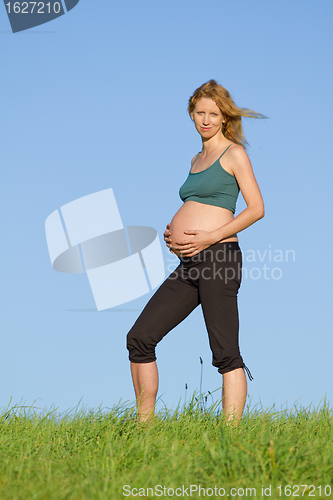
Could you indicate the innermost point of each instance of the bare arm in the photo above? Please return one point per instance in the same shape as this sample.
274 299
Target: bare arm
242 170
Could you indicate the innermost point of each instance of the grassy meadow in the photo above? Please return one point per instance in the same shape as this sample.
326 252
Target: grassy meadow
187 453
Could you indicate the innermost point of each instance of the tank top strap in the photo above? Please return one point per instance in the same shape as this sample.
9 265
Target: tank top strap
224 151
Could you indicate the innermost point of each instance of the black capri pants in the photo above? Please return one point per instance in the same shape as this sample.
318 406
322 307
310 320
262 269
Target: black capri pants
210 278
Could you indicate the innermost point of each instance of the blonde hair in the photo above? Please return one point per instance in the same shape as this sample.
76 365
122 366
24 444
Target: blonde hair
232 129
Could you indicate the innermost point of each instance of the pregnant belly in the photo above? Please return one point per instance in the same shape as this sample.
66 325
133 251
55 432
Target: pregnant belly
194 215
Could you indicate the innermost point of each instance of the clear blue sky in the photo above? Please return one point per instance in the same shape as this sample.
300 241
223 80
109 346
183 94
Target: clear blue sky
97 99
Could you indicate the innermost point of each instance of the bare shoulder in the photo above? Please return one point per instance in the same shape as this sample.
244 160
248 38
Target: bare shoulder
237 159
237 154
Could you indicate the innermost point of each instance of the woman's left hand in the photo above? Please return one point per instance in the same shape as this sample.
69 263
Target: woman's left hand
198 240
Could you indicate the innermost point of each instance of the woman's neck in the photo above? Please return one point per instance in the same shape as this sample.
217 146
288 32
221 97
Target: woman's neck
213 144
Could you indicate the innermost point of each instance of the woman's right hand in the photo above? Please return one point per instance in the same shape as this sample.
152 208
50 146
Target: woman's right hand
167 238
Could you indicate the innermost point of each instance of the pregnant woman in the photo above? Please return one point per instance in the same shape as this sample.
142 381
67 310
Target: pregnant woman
203 234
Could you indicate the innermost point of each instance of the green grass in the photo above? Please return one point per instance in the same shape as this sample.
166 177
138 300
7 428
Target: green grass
92 455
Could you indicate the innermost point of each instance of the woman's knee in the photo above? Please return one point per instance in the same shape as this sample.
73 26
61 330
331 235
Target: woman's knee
141 347
229 361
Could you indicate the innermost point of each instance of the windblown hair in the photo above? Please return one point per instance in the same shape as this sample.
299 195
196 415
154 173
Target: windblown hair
232 129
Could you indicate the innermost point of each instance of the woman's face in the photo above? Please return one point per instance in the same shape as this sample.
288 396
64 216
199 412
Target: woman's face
207 118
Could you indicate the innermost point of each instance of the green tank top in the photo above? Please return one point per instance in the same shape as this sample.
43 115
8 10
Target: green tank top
212 186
